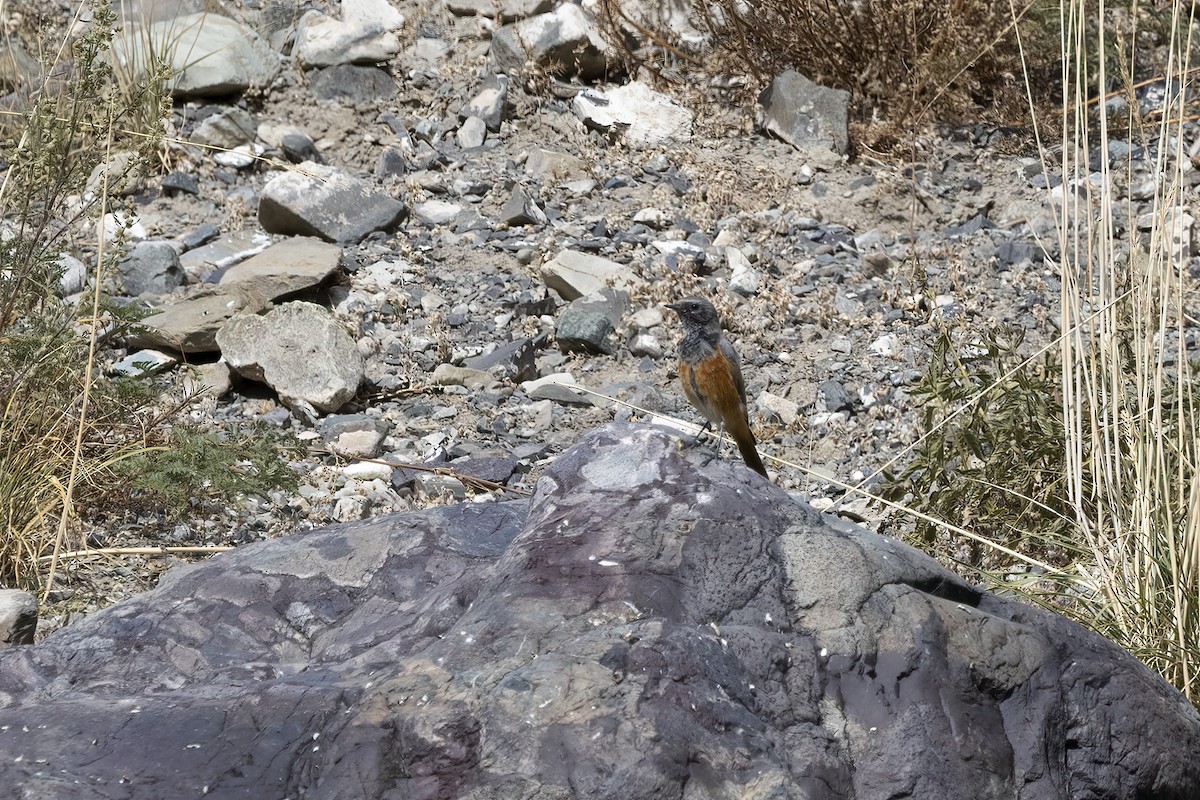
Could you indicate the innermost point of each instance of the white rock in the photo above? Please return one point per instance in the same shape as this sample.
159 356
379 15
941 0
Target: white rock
366 34
642 116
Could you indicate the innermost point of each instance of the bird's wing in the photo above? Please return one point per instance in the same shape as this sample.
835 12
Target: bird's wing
735 367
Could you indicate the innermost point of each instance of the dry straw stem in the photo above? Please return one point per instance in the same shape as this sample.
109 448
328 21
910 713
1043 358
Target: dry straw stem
1128 384
85 399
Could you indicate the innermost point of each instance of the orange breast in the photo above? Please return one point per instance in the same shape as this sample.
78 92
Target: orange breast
710 388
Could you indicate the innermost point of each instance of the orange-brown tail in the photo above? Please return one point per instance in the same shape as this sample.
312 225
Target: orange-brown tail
740 431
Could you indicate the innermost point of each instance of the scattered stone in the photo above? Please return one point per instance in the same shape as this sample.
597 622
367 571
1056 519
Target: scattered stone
240 157
143 363
558 387
450 375
636 113
317 200
351 84
809 117
787 411
496 466
228 129
190 325
472 133
646 318
430 485
436 212
355 436
489 104
366 34
573 274
290 266
299 350
74 274
175 182
517 359
521 209
554 165
391 162
564 41
644 344
588 323
18 617
743 278
833 397
151 267
211 55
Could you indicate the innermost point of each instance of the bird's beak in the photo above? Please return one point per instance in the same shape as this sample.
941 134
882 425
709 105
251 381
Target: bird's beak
673 306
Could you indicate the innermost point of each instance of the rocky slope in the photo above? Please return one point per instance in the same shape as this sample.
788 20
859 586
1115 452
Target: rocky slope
449 171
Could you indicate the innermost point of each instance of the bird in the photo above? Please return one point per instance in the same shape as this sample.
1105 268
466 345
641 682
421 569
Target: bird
711 374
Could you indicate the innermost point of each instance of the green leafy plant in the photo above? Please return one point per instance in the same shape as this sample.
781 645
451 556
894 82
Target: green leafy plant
991 458
197 466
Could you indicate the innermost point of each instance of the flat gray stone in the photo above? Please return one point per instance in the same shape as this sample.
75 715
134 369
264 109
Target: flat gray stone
190 325
290 266
574 274
211 55
352 84
354 435
318 200
637 114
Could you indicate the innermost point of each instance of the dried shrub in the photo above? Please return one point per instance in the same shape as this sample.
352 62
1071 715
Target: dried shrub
903 61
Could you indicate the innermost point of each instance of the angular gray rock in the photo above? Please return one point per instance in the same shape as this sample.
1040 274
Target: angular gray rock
644 628
351 84
809 117
152 267
574 274
298 349
587 325
286 267
190 325
211 55
18 617
318 200
521 209
565 41
354 435
365 34
471 133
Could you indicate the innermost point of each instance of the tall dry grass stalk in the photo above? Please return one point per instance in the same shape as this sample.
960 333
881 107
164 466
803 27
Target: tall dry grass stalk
1128 379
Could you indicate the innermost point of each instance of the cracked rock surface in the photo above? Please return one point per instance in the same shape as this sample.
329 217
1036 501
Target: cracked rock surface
653 623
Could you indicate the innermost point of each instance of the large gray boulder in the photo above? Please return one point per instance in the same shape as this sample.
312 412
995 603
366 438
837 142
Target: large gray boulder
210 55
643 628
298 349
